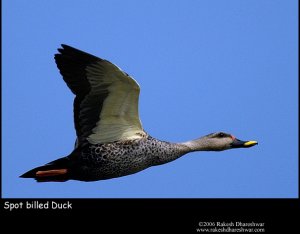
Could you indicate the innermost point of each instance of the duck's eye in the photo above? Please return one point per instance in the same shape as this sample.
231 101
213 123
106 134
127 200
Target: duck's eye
221 134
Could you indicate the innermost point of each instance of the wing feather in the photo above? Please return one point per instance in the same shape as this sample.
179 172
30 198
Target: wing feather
106 102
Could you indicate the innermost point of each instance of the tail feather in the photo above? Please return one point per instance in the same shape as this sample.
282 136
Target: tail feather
56 171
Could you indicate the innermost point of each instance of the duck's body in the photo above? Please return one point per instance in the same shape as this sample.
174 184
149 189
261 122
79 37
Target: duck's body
110 160
110 139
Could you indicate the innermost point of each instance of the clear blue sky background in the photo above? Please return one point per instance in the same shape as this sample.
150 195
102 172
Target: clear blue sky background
203 66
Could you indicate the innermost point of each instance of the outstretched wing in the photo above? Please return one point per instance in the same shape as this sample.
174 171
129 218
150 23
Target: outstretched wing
106 102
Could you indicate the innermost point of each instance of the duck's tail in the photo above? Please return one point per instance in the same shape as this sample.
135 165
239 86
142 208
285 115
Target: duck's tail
55 171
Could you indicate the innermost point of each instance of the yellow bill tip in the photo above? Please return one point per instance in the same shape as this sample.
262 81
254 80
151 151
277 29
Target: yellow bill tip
250 143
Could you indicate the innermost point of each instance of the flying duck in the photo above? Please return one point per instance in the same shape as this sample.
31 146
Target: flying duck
111 141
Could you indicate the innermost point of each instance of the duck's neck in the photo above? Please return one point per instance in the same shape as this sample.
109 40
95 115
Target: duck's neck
171 151
200 144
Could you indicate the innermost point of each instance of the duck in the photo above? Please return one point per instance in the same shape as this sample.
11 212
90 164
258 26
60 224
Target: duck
110 140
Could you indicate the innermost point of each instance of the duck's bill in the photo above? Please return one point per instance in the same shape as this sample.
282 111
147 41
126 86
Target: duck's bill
243 144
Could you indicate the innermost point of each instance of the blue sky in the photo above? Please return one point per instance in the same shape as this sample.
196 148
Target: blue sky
203 66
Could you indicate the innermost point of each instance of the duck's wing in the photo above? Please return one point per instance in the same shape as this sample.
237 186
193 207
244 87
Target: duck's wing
106 102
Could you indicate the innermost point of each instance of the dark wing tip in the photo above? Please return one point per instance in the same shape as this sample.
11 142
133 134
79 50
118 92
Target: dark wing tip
73 52
64 46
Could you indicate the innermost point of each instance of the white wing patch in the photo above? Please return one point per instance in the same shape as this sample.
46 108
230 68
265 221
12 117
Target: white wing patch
119 118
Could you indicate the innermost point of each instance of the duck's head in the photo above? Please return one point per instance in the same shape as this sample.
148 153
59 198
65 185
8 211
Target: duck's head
222 141
217 142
